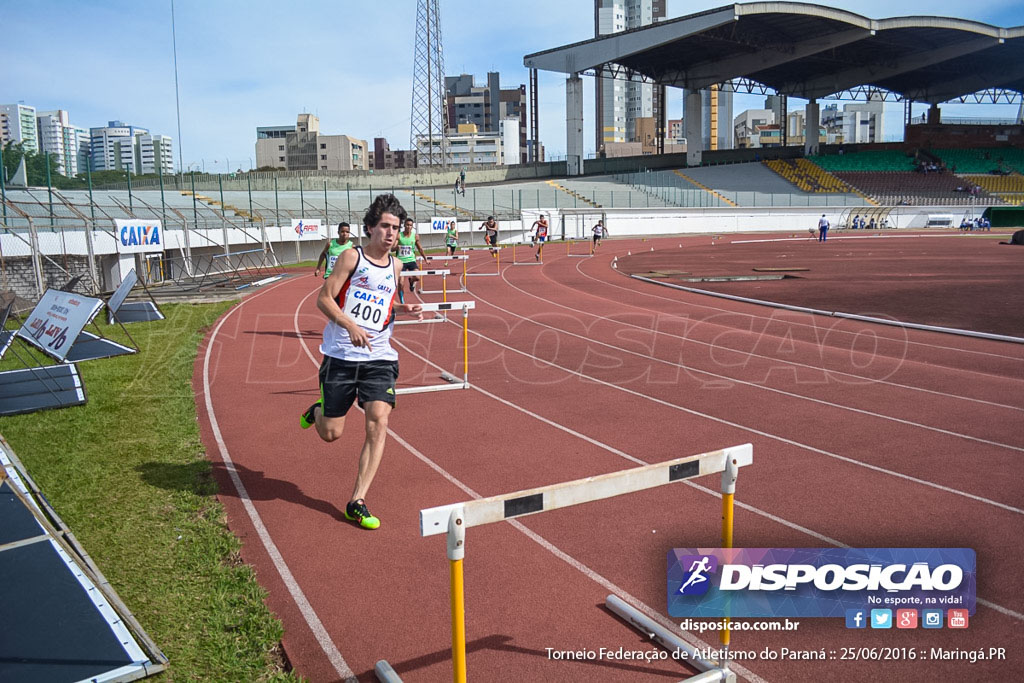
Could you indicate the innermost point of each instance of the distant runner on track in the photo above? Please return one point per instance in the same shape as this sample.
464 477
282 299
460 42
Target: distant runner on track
333 250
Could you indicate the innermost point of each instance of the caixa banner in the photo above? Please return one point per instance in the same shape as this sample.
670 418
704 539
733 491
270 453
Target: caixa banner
816 582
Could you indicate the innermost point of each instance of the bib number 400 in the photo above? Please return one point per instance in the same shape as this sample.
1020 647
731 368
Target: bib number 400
367 314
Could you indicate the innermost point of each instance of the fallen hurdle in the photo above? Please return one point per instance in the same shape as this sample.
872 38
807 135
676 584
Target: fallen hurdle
454 519
451 382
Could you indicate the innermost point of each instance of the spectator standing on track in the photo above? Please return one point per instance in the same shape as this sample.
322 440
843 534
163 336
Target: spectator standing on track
599 232
491 234
359 362
462 181
333 248
540 235
406 246
823 227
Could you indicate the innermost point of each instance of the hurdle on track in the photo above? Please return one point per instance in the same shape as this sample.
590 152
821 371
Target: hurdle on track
460 257
516 262
451 381
570 244
454 519
444 272
497 260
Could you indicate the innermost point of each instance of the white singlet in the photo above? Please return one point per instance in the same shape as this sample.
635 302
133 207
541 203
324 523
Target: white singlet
368 297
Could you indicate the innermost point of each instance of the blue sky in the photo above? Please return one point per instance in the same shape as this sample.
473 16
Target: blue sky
249 63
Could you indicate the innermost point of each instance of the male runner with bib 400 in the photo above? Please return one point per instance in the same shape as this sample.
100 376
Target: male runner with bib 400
359 301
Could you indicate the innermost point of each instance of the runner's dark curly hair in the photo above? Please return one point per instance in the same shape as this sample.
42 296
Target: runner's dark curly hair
384 203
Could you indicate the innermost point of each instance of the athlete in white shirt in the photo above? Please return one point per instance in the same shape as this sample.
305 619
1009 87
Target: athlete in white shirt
359 300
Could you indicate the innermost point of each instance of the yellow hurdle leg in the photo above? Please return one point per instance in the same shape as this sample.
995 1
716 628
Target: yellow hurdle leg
727 509
458 624
465 345
456 553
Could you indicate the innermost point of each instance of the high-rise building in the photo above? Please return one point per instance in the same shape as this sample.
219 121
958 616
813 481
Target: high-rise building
19 125
67 145
121 147
113 147
487 107
302 148
155 154
383 157
620 102
856 123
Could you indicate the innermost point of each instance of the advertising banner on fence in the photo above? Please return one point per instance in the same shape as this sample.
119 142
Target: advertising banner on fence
135 236
57 320
817 582
442 224
308 229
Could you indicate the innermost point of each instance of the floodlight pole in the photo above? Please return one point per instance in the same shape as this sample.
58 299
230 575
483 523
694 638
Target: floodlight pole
3 187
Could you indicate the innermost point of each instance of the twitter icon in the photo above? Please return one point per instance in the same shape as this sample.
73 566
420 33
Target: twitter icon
881 618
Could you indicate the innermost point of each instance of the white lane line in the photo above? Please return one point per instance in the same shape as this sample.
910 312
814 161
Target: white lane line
694 304
305 608
638 461
753 430
751 354
754 385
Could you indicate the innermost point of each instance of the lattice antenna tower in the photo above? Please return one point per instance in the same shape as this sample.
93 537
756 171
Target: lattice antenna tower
429 109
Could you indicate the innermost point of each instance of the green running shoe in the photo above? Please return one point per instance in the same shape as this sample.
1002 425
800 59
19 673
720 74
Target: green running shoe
357 512
308 418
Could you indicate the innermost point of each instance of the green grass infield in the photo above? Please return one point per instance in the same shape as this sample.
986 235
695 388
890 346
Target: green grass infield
128 474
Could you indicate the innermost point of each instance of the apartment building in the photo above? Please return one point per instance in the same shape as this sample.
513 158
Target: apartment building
488 107
303 148
620 102
18 124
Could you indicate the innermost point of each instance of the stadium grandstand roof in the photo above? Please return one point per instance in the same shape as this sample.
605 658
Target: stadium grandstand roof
807 51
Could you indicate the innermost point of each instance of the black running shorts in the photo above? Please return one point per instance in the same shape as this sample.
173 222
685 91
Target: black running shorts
344 381
411 265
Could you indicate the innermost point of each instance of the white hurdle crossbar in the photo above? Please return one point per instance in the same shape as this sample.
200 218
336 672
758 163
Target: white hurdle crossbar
451 382
497 260
462 287
454 519
422 275
535 262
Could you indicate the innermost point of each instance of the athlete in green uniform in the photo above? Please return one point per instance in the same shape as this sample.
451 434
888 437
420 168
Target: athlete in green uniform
332 251
451 237
408 244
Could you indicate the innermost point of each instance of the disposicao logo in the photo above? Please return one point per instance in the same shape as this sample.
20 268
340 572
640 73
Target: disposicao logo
696 580
808 582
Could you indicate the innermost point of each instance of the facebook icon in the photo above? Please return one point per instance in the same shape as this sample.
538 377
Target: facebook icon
856 618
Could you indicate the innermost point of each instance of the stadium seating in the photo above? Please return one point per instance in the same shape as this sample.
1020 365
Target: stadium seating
869 160
806 175
1008 188
912 188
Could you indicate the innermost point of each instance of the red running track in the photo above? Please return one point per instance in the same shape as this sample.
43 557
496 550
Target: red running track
863 435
